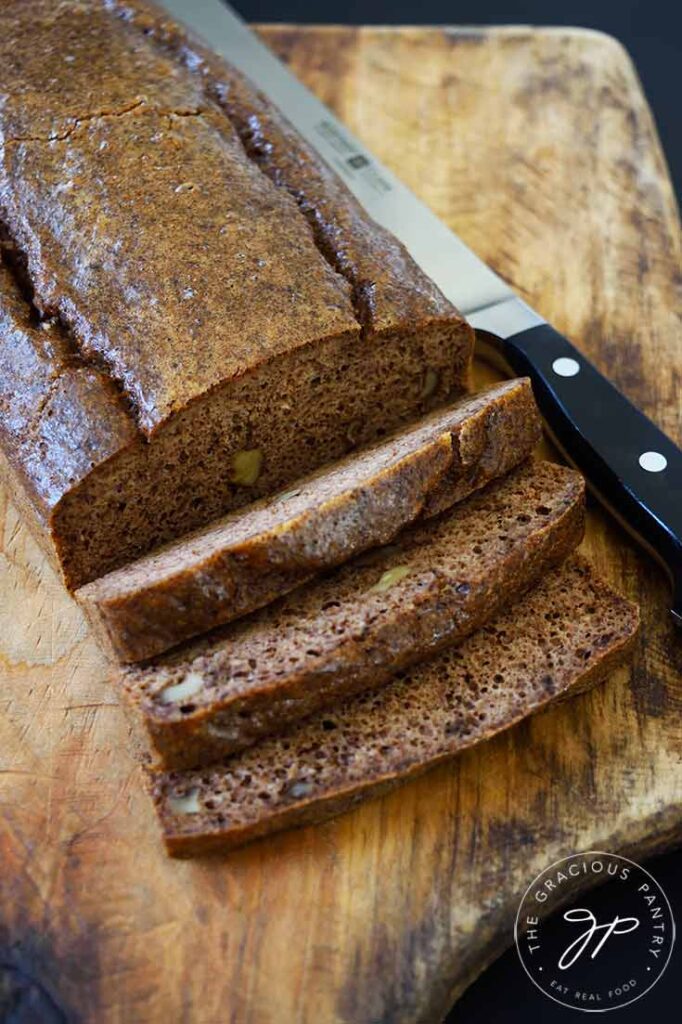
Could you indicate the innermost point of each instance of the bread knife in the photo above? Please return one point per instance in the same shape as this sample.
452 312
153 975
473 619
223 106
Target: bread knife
632 467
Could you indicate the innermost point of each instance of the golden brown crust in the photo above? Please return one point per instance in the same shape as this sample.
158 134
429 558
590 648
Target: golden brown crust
241 563
371 259
152 141
165 197
381 740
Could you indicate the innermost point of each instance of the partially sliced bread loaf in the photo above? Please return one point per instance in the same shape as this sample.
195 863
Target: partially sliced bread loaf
172 308
563 637
242 562
352 630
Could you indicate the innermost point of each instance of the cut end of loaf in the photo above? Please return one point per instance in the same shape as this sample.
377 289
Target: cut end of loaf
299 412
242 561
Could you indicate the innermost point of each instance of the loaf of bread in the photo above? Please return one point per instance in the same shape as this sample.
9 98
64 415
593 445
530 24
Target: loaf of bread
245 560
564 636
353 629
192 312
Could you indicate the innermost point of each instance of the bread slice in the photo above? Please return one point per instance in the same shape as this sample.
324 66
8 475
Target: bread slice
352 630
244 561
209 338
566 635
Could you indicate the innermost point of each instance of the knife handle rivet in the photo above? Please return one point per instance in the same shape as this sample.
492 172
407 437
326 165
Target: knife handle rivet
565 367
653 462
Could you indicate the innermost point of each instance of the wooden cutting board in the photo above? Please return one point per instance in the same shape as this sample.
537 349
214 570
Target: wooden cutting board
538 147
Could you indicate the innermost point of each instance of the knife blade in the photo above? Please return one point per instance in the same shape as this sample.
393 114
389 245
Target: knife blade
632 467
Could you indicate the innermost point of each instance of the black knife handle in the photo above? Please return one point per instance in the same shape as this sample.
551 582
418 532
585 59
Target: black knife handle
632 467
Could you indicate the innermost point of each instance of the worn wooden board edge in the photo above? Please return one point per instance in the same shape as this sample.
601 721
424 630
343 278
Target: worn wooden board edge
661 833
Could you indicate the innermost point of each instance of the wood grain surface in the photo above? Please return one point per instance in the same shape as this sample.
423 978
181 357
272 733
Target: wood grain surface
539 149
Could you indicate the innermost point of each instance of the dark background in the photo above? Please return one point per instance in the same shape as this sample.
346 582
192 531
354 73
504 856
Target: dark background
652 33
